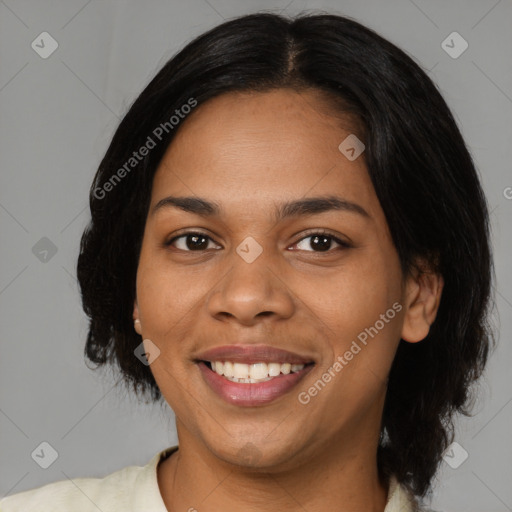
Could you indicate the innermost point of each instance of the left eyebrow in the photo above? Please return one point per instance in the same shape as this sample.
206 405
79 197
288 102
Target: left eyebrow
307 206
316 205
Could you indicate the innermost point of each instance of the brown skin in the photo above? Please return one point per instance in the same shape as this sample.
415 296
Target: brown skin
249 153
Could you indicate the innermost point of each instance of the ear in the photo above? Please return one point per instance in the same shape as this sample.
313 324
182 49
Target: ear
423 290
136 320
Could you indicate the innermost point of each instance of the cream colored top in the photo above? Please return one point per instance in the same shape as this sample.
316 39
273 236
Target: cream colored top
131 489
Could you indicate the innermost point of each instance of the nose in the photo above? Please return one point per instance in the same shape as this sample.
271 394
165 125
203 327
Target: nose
250 292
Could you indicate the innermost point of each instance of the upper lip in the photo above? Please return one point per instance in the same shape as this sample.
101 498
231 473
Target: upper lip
250 354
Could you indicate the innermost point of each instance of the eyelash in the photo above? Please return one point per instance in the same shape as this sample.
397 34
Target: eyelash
309 234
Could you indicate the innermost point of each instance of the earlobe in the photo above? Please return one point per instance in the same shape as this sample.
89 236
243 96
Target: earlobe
423 296
136 322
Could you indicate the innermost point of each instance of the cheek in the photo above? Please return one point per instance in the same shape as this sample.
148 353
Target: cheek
166 297
364 327
358 294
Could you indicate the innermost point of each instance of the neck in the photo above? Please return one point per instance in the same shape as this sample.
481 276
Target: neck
344 479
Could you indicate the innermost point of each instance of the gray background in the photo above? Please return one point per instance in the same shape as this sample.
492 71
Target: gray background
56 118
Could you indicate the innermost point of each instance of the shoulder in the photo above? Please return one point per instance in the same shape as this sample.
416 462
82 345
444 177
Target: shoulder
401 500
112 493
77 494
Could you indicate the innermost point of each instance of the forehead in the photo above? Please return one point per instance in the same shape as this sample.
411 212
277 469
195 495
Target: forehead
265 145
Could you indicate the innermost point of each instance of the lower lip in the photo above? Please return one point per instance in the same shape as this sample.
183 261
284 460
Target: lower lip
250 395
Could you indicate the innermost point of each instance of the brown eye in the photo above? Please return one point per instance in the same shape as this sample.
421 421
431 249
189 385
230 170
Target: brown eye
193 242
320 242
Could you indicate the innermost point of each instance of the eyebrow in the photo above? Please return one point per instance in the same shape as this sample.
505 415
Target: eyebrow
307 206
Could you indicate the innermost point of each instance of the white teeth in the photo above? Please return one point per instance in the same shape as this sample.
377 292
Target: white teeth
274 369
251 373
241 370
228 369
258 371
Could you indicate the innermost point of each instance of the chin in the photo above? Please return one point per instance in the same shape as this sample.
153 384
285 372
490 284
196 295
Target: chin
253 454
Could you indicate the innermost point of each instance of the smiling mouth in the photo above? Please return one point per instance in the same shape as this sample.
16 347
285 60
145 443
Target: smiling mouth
253 373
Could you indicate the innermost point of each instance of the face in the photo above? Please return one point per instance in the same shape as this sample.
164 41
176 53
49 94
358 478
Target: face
234 275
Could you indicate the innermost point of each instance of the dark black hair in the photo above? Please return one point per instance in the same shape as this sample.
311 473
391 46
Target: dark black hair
422 172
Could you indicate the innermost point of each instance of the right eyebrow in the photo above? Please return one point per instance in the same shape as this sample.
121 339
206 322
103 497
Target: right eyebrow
195 205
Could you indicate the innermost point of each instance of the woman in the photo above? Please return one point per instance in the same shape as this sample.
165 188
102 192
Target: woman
289 244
